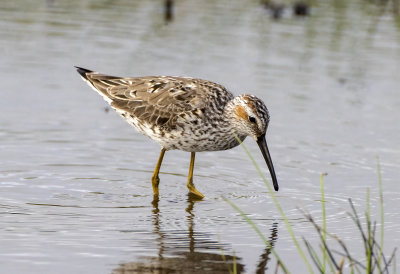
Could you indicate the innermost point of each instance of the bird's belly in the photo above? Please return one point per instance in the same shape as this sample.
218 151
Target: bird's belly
189 137
209 141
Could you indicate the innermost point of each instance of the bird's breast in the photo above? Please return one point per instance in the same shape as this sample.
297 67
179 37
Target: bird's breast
196 135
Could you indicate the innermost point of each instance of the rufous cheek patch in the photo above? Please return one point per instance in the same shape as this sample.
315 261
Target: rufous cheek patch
241 112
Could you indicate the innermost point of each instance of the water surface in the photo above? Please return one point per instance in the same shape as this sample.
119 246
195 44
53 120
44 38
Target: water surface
75 189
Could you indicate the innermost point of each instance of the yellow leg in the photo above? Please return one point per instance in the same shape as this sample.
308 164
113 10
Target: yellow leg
155 180
190 184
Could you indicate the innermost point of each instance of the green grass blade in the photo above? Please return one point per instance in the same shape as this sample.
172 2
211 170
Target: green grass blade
324 253
368 249
224 259
234 263
285 219
378 167
253 225
325 244
314 256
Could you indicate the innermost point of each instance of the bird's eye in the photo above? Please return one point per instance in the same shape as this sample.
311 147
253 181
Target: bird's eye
252 119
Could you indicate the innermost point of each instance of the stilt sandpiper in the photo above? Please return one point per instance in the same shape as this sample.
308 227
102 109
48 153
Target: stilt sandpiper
185 113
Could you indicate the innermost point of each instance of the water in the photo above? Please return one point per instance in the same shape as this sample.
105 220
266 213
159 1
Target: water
75 188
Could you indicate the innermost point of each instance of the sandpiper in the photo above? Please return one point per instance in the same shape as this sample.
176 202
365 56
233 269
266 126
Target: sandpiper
184 113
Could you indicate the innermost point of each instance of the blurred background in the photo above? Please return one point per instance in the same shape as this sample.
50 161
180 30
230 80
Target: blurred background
75 191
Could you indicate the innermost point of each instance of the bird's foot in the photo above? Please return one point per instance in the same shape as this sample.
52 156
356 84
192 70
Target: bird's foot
155 181
193 191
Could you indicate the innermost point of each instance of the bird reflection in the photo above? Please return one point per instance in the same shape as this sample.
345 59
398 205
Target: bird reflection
168 10
191 251
157 229
265 257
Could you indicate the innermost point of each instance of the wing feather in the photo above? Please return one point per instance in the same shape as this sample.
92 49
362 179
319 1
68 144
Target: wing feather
157 100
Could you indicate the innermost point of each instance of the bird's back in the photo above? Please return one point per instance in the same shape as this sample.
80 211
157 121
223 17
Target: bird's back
177 112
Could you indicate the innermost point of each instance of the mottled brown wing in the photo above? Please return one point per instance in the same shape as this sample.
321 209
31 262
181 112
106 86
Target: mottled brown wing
154 100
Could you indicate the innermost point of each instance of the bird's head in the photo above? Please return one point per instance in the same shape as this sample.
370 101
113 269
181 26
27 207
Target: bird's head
251 119
251 115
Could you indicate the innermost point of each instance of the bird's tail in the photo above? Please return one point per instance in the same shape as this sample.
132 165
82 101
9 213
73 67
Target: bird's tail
82 72
99 82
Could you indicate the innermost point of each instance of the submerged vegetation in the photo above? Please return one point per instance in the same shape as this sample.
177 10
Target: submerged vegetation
324 258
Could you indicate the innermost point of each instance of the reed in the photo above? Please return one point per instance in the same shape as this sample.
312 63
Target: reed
378 167
374 261
278 206
254 226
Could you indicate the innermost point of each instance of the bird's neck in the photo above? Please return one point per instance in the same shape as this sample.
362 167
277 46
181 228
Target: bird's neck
230 109
229 117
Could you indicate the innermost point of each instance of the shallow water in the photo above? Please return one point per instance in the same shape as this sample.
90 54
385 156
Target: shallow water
75 188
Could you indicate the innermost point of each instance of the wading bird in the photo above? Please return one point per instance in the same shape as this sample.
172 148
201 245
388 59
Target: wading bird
187 114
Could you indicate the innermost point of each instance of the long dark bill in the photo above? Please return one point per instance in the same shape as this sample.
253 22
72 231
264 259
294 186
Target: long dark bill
262 143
